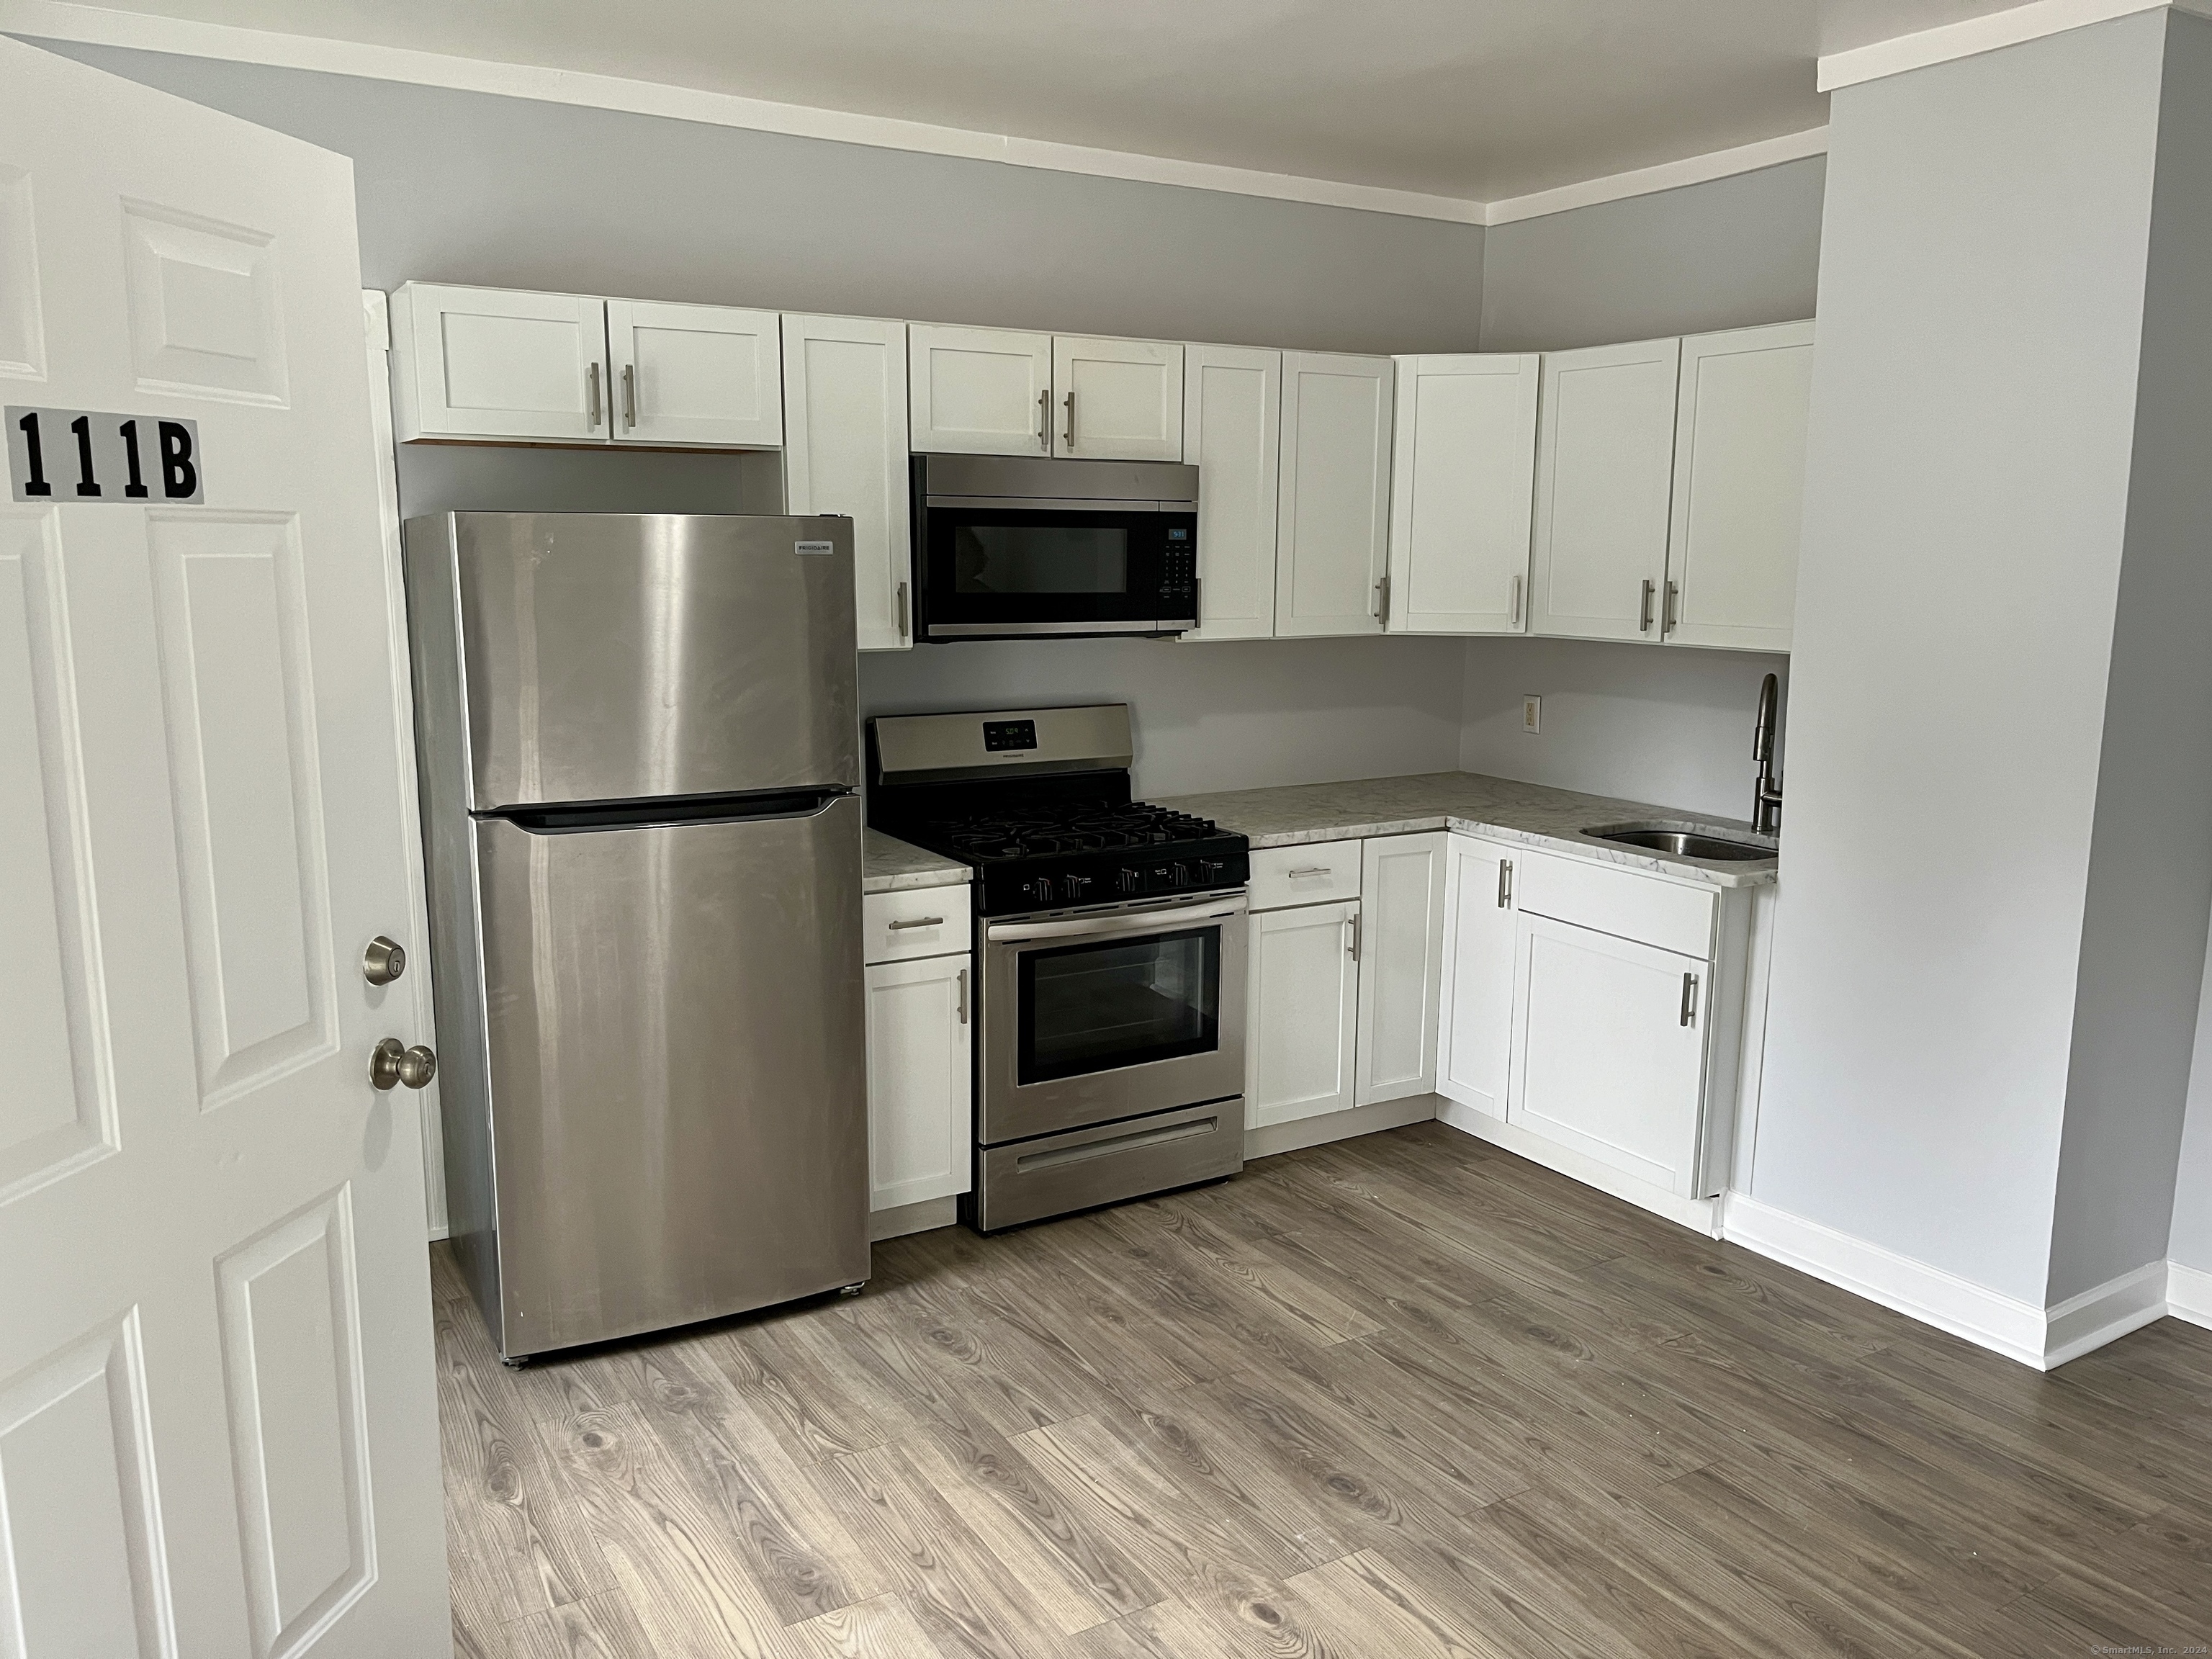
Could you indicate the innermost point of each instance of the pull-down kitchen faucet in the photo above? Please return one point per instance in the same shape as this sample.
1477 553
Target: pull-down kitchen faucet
1766 794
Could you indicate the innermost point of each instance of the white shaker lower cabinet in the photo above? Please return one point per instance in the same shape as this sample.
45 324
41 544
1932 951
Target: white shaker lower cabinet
1740 433
1302 1012
1609 1050
1333 499
1116 400
1402 896
483 364
701 377
1474 1038
845 451
1233 412
1461 488
1605 475
920 1038
979 391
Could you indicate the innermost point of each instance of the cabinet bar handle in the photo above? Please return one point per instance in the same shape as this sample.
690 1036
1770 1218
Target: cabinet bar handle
1670 616
591 393
1689 999
1045 420
1517 602
1351 936
1070 419
629 394
1310 870
1643 615
964 996
919 921
1383 600
1505 883
905 628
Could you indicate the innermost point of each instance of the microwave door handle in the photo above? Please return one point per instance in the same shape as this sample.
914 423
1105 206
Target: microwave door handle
1150 921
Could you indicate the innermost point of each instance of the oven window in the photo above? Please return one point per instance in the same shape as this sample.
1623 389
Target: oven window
1093 1008
1028 558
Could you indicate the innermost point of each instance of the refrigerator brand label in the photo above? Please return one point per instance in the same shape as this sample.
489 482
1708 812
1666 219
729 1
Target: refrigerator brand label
814 547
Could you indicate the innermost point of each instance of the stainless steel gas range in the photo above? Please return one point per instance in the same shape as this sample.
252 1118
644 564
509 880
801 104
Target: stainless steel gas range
1110 937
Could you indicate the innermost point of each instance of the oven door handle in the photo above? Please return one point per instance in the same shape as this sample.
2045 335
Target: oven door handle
1150 921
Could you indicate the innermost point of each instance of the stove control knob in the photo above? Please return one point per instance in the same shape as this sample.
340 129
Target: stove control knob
1039 890
1179 874
1130 881
1213 869
1078 886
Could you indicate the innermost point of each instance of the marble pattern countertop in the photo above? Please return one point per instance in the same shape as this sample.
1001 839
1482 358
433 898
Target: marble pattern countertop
890 866
1528 812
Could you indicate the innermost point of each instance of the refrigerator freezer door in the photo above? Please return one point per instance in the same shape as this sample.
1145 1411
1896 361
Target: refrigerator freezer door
677 1039
607 657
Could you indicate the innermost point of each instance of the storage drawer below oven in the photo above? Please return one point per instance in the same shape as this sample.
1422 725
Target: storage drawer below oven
1107 1162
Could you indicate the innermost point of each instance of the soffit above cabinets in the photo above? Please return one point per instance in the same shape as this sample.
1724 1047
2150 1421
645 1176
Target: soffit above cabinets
1464 104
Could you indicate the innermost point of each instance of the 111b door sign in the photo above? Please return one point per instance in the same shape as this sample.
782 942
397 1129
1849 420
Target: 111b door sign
66 457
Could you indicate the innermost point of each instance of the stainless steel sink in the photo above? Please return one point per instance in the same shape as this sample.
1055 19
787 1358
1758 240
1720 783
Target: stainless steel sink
1682 843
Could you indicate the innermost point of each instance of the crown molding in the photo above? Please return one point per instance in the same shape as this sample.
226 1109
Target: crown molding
64 21
1975 35
1668 175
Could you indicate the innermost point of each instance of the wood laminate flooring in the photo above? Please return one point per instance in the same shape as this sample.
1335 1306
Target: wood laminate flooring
1402 1396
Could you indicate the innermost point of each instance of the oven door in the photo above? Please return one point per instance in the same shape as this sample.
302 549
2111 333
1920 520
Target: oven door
1093 568
1104 1017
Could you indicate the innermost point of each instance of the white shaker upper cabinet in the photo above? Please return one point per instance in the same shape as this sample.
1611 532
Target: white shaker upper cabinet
1302 1012
980 390
844 451
1462 489
1401 896
1474 1032
1117 400
1333 498
699 376
1739 486
1233 412
1604 468
485 363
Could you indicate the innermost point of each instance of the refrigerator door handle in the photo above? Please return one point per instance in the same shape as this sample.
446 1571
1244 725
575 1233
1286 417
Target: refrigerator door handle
672 813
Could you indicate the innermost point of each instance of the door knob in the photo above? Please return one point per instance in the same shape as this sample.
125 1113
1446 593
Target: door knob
382 961
392 1063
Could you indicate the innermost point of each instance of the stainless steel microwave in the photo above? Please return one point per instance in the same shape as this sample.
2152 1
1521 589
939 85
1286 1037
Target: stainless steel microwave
1013 547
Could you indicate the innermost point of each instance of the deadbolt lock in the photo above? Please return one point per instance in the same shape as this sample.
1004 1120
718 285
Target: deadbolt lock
392 1063
384 960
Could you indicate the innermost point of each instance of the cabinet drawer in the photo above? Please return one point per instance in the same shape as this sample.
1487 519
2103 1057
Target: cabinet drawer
1316 873
1622 902
918 921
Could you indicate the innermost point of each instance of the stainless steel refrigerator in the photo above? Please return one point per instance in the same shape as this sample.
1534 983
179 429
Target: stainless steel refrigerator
640 763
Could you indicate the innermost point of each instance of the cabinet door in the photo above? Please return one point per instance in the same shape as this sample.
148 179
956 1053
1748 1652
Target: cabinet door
1462 484
980 390
1302 1012
1605 470
921 1141
844 451
1119 400
1474 1035
1402 897
480 363
1739 486
1333 498
704 376
1232 413
1608 1049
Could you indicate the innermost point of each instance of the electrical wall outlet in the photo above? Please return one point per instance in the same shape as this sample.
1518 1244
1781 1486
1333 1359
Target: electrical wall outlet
1532 713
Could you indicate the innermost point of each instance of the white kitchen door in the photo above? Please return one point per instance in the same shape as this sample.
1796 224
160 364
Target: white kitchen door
218 1421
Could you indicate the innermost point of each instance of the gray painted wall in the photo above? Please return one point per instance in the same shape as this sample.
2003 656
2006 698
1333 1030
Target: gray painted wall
1973 418
2150 878
1724 254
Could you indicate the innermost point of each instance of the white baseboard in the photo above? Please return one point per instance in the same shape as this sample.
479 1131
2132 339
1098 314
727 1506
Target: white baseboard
902 1219
2045 1338
1302 1131
2189 1294
1700 1214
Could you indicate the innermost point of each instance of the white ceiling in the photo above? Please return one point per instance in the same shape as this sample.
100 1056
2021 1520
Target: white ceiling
1475 99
